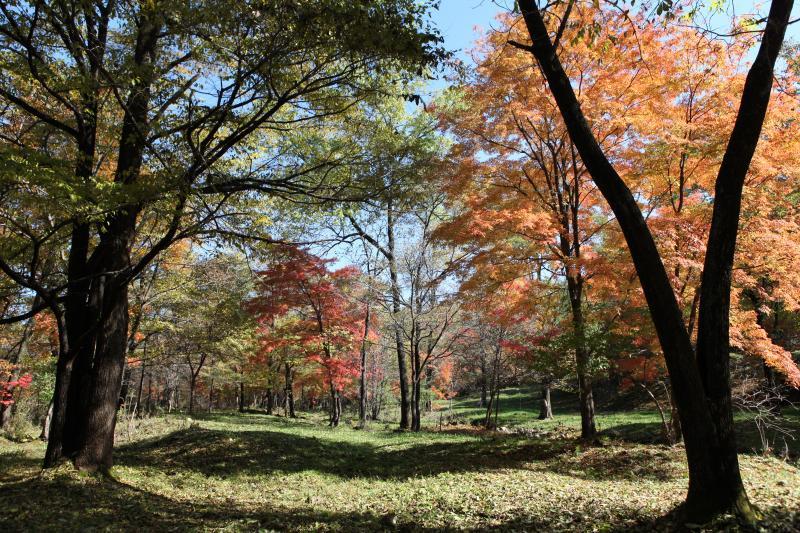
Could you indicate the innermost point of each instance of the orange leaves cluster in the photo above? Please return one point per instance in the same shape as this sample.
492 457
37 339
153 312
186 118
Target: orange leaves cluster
662 102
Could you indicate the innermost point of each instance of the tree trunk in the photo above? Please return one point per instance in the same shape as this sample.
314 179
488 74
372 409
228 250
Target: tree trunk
241 396
483 382
701 381
362 382
76 330
211 395
335 407
270 396
45 434
192 383
137 406
546 408
75 340
582 357
95 452
124 386
113 253
288 391
149 393
416 382
405 406
55 443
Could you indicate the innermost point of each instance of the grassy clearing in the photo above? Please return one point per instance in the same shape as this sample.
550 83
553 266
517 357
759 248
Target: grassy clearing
230 472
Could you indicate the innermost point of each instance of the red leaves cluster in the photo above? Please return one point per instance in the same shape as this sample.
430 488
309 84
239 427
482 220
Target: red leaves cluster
303 308
9 383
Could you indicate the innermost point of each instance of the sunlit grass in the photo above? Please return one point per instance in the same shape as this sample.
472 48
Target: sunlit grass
254 472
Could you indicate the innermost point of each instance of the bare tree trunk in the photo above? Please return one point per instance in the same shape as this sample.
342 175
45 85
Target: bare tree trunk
582 358
149 393
416 386
546 408
45 434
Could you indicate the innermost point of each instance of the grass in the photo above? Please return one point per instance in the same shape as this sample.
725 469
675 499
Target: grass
252 472
519 407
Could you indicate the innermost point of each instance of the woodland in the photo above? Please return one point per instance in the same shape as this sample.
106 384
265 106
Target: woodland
302 265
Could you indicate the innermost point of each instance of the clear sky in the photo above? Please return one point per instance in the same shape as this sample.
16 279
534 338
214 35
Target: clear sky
457 19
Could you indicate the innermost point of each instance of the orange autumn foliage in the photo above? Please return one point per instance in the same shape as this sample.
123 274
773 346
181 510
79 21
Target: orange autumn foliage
662 102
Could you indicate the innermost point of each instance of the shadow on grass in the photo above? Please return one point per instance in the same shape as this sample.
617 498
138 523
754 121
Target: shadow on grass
747 438
67 503
626 463
16 466
223 453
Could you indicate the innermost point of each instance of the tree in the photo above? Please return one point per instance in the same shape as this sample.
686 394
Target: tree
302 305
525 201
187 87
398 152
700 378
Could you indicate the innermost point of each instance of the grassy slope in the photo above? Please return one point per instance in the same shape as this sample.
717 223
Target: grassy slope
519 407
251 472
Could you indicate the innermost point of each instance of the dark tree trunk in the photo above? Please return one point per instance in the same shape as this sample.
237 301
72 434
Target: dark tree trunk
487 422
335 407
270 396
241 396
75 338
675 421
192 384
405 405
546 407
416 382
211 395
362 381
483 381
149 406
138 405
701 381
95 452
96 435
288 391
585 395
494 391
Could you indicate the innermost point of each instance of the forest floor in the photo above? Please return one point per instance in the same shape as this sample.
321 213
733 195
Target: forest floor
253 472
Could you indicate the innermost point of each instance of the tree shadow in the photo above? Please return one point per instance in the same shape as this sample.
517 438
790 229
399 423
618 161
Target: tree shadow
69 503
621 463
223 453
16 466
747 438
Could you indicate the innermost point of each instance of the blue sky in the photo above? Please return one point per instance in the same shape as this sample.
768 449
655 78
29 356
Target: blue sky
457 19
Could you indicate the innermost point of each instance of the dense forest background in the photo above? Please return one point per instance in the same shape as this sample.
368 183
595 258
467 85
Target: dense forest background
321 211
